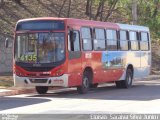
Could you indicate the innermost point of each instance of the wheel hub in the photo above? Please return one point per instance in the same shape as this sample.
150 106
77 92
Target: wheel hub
85 82
129 80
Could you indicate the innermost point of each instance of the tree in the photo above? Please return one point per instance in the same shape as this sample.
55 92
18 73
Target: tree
100 9
104 9
18 1
111 9
69 8
1 2
59 14
89 8
134 11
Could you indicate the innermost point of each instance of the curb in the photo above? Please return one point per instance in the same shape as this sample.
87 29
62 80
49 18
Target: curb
151 77
16 91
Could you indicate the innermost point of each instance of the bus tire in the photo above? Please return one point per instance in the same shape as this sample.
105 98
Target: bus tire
94 85
41 89
118 84
84 88
127 83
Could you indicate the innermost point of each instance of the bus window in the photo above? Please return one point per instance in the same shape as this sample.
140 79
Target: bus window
99 41
87 40
74 44
111 39
123 40
133 40
144 43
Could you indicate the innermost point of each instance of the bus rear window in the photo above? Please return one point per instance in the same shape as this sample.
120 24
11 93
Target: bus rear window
41 25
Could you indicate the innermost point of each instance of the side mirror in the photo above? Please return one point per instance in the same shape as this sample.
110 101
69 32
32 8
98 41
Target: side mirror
6 42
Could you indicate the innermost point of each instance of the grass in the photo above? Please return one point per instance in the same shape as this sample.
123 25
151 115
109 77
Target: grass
6 81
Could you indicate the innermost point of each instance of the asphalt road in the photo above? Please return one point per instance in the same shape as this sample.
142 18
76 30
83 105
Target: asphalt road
143 97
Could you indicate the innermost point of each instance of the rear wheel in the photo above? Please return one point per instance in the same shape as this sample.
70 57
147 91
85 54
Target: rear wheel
94 85
118 84
85 83
41 89
127 83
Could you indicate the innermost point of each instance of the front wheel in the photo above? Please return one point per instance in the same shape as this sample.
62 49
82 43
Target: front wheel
41 89
127 83
94 85
85 84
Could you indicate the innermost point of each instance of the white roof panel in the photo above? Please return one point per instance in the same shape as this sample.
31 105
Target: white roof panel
133 27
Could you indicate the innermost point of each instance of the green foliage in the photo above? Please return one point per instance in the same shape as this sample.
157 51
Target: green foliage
148 13
96 2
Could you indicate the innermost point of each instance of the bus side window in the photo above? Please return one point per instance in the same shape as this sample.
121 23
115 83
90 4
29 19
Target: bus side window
133 37
74 43
111 36
86 38
123 40
99 40
144 42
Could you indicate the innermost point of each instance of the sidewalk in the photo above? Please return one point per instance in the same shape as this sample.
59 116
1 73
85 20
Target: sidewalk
15 91
8 91
7 88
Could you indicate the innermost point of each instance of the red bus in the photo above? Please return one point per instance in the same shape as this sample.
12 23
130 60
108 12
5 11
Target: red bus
69 52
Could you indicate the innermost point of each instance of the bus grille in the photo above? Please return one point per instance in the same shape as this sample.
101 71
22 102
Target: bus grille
38 80
42 75
38 69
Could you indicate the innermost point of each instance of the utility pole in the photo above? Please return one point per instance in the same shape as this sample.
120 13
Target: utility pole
134 12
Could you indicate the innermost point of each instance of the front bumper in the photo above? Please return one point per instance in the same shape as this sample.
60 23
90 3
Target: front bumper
61 81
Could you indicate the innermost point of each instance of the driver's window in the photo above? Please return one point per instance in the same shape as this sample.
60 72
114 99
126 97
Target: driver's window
74 41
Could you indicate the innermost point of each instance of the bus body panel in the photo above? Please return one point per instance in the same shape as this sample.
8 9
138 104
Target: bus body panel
141 60
60 81
74 61
106 65
74 71
92 59
113 63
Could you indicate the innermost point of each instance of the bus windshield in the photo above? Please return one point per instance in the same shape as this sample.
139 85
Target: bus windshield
39 47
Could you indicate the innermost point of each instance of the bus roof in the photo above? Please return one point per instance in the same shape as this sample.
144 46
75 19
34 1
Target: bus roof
92 23
133 27
74 21
42 18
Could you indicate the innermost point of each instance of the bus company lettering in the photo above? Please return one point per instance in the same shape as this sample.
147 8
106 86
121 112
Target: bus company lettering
46 72
88 55
58 81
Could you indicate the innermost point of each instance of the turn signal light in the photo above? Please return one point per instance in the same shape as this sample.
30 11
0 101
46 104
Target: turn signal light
59 72
18 73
